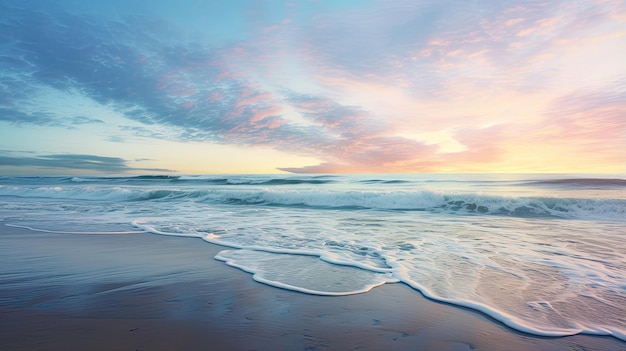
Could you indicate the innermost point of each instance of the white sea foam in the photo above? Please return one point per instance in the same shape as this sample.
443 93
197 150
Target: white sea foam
74 232
151 229
74 193
443 277
540 262
304 272
421 200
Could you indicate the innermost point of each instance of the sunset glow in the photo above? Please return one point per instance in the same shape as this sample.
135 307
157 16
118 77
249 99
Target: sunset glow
312 86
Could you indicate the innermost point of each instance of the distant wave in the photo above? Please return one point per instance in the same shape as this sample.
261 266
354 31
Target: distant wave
155 177
586 182
424 200
232 180
283 181
385 181
123 178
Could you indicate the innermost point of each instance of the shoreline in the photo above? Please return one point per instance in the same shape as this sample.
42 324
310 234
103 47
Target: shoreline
152 292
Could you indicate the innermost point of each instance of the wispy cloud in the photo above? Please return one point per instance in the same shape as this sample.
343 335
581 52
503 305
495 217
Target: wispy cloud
380 88
595 117
355 141
85 120
76 162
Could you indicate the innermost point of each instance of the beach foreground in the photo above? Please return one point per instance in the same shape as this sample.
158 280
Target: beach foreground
150 292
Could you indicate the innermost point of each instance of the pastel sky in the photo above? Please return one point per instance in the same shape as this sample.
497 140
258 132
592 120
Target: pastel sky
230 86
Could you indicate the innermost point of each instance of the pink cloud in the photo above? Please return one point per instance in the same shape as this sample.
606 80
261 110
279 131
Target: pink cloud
514 21
475 80
274 123
263 113
251 98
483 145
215 96
591 115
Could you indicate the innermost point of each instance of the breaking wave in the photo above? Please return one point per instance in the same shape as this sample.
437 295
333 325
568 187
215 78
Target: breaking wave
422 200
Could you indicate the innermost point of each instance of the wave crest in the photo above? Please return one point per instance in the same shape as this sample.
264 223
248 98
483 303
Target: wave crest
423 200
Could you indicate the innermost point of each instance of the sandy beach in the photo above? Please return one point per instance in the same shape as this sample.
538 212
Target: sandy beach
150 292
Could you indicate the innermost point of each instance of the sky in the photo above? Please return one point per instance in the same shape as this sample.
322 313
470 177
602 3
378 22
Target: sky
312 86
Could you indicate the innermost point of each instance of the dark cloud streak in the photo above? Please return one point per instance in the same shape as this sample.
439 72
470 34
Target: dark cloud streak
75 162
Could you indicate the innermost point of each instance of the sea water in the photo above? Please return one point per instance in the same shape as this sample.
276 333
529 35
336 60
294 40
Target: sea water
543 254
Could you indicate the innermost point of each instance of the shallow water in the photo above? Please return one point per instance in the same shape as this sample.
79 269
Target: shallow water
540 253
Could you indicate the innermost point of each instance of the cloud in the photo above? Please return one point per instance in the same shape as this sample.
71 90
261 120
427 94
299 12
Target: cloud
482 145
353 139
131 66
85 120
160 82
16 116
76 162
341 86
591 121
424 46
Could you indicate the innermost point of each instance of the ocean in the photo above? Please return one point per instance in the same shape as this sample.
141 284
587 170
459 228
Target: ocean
541 253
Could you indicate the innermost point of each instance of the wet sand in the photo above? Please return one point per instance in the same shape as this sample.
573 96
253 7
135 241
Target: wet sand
149 292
